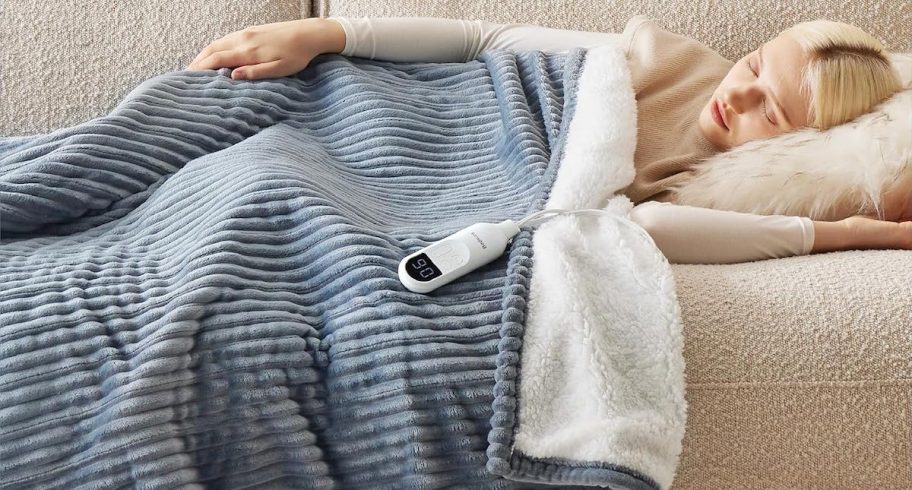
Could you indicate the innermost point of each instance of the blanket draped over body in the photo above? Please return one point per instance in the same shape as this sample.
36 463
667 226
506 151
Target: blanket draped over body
200 288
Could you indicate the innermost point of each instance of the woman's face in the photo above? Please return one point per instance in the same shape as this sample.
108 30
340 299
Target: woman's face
759 97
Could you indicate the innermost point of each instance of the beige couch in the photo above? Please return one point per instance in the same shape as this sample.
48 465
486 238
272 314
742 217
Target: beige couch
799 370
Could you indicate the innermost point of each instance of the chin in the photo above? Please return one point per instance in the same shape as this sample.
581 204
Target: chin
711 131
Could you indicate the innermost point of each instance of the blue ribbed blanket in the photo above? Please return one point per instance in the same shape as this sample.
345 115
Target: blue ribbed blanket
200 287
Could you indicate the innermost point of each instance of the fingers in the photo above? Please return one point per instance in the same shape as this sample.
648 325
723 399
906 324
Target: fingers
255 52
213 47
228 58
271 69
231 43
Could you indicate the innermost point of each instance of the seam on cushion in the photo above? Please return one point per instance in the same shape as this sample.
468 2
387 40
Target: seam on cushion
801 384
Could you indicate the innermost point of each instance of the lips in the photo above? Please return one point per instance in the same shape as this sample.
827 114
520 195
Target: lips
717 115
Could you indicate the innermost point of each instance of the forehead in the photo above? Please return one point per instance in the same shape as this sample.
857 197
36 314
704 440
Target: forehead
783 62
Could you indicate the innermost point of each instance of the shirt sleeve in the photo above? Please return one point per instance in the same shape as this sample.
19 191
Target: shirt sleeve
693 235
433 39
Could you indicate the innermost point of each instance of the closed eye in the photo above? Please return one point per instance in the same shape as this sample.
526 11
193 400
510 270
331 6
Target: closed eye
756 74
768 118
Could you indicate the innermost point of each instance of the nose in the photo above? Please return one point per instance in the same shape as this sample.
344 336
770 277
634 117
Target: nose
742 97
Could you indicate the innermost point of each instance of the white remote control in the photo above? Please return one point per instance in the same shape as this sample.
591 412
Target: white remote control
456 255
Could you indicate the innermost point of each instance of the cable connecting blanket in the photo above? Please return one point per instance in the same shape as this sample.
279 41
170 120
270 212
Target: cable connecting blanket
200 288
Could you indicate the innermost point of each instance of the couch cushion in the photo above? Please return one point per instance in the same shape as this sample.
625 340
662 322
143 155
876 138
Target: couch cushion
709 21
62 63
790 436
837 317
799 372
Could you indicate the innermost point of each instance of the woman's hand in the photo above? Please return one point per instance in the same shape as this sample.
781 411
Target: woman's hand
861 233
870 233
271 50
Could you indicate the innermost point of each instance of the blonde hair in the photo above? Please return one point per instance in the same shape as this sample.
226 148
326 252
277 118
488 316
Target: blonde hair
848 72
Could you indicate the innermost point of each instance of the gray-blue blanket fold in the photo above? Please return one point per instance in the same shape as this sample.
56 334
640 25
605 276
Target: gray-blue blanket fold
200 288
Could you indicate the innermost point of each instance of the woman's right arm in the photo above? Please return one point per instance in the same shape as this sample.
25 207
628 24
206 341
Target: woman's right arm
284 48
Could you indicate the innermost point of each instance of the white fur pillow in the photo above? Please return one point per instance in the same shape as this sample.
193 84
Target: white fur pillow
825 175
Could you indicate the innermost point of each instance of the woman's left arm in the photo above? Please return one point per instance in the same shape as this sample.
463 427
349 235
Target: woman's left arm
452 40
693 235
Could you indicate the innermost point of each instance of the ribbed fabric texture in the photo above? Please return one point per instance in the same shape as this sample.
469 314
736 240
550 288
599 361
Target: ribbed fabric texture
201 289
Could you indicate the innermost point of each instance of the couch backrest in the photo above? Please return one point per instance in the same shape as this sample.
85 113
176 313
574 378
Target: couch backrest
62 63
731 27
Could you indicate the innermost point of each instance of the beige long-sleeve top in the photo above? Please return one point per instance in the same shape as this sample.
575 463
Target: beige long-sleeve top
673 77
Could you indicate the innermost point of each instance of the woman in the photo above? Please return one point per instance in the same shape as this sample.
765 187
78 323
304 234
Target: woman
691 103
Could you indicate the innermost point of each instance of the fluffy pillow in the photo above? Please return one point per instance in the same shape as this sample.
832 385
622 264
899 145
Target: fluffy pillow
825 175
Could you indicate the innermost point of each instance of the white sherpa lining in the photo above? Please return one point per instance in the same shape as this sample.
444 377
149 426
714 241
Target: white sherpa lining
602 368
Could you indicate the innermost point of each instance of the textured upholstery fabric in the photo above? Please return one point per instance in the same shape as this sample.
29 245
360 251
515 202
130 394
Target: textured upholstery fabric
799 373
103 49
709 21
